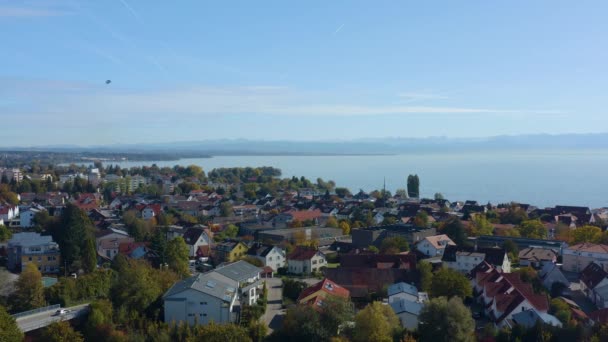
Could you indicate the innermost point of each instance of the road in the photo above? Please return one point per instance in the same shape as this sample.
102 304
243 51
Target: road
274 310
42 319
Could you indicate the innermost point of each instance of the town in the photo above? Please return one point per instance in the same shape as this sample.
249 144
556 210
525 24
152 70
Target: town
104 253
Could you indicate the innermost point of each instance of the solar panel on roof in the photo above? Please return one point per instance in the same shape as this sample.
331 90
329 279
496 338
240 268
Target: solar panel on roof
210 283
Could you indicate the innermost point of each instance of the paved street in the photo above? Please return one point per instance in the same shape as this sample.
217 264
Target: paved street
274 311
43 319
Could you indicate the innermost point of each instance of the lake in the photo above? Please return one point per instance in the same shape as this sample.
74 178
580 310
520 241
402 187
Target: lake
542 178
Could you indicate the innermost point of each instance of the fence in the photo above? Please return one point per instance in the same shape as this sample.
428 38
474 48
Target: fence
35 311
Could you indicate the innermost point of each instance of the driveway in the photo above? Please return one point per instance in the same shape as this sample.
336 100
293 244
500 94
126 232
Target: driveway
274 309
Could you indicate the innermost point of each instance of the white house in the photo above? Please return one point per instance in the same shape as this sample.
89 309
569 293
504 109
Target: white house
247 277
201 299
26 219
305 261
576 258
434 245
199 241
271 256
464 259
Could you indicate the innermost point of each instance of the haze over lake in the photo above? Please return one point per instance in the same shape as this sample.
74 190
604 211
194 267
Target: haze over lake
542 178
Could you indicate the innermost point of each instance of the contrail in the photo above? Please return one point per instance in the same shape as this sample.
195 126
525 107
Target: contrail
137 17
338 29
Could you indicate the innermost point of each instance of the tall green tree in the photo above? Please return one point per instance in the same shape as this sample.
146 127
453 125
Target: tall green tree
335 311
302 323
533 229
454 228
9 330
394 245
177 256
376 322
5 233
89 256
413 186
449 283
29 293
60 332
480 225
425 270
72 235
443 320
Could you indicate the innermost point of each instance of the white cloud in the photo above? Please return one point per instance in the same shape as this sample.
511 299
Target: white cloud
29 12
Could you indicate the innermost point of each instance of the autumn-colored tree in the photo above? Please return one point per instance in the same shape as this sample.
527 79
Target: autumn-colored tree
376 322
449 283
345 228
533 229
480 225
331 222
60 332
9 330
29 293
586 234
442 320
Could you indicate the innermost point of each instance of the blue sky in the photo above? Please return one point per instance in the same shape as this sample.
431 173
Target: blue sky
314 70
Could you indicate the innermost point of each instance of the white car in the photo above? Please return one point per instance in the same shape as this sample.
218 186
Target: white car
61 312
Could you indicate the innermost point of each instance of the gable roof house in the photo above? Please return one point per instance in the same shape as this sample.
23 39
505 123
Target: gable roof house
594 283
305 261
536 257
229 251
315 294
551 274
434 245
407 303
247 277
199 241
576 258
464 259
270 255
503 294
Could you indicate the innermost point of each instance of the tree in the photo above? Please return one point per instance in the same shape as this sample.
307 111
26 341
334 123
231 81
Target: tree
413 186
561 310
454 228
438 196
402 193
29 293
5 233
335 311
394 245
377 323
345 228
421 219
533 229
331 222
100 314
302 323
292 288
586 234
177 256
226 209
373 249
446 320
72 234
480 225
449 283
213 332
9 330
61 331
343 192
511 248
426 275
89 256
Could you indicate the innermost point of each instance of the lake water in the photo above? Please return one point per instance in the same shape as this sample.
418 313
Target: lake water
540 178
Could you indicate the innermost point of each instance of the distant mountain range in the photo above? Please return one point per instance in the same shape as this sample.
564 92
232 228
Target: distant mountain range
352 147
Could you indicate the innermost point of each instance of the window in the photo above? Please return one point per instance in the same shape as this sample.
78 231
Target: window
314 262
203 303
270 259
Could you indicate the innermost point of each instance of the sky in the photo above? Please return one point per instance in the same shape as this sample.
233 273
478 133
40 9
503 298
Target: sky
282 70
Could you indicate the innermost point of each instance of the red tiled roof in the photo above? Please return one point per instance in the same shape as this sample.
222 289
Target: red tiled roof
326 286
127 248
301 253
303 215
589 247
600 316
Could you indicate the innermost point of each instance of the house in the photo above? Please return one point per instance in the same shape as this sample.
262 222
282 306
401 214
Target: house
134 250
108 240
25 248
434 245
503 295
315 294
599 316
229 251
407 302
247 278
551 274
536 257
529 318
26 219
150 211
464 259
576 258
594 283
305 261
365 237
199 241
271 256
8 212
202 299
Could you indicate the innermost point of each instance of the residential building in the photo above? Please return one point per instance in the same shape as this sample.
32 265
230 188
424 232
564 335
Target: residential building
25 248
270 255
594 283
247 277
315 294
8 212
577 257
202 299
551 274
407 302
305 261
432 246
229 251
26 218
13 174
464 259
107 242
529 318
199 241
365 237
536 257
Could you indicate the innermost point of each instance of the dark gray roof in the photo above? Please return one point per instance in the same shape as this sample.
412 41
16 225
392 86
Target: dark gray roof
211 283
239 271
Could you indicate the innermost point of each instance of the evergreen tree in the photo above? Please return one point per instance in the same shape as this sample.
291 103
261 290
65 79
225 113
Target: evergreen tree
89 256
177 256
413 186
